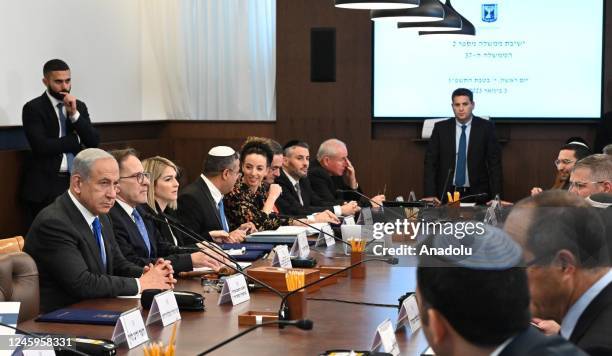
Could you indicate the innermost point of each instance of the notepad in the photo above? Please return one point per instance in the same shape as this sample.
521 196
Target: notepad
81 316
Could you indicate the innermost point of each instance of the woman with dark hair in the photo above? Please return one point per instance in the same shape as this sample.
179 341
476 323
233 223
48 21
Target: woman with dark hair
252 200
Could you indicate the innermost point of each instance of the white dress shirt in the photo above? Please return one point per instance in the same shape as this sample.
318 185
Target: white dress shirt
468 129
73 119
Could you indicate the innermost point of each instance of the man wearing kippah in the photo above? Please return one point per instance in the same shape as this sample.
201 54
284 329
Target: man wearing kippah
478 304
200 204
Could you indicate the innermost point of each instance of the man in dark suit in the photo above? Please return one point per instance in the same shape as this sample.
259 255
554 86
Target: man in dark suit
200 204
298 197
57 127
466 147
333 177
465 304
137 237
568 265
73 244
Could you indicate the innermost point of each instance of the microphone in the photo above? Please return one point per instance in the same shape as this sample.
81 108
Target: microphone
370 199
479 195
59 348
283 309
303 324
280 216
358 193
192 235
446 182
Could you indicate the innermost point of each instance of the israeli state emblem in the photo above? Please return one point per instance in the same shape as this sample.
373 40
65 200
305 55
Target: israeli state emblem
489 12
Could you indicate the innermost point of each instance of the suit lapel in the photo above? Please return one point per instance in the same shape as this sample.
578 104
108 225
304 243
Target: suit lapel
592 312
51 121
84 230
475 132
208 198
286 180
131 227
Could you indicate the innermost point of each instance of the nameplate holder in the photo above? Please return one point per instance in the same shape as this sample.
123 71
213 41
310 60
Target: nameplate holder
300 247
349 220
131 328
409 315
281 257
385 339
164 308
324 237
9 314
235 290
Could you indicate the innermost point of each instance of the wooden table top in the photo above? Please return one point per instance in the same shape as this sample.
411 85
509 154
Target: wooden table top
336 325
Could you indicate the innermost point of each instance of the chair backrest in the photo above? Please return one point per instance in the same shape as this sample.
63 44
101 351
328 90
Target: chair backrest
11 244
19 283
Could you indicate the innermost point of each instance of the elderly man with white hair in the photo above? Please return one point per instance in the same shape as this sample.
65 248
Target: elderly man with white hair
333 176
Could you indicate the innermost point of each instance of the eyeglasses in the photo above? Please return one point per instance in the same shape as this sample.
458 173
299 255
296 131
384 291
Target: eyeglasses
564 161
582 185
140 177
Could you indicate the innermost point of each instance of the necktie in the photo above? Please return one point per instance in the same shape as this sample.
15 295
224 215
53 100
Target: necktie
97 230
299 193
222 216
63 123
461 159
142 229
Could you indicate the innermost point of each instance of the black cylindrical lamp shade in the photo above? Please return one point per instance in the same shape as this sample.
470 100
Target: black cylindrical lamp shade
467 29
428 10
451 22
374 4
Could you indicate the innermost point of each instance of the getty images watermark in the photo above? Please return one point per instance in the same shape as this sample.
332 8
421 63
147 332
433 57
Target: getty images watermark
456 231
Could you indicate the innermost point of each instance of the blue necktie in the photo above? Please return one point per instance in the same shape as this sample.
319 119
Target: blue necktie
222 215
461 159
63 123
142 229
97 230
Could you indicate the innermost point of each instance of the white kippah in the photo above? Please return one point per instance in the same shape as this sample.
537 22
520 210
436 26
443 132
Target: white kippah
221 151
579 144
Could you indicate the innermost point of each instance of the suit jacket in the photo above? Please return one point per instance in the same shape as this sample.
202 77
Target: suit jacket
593 330
289 203
164 228
532 342
325 186
133 246
197 209
68 258
41 127
483 158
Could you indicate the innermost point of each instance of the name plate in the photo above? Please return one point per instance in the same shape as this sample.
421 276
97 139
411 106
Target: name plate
385 339
300 246
164 307
131 328
235 289
281 257
349 220
409 315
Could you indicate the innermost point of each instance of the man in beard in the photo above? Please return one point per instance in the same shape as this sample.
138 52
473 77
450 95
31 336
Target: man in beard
57 127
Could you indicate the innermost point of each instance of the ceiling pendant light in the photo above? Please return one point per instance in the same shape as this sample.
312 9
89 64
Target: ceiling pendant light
374 4
467 29
451 21
428 10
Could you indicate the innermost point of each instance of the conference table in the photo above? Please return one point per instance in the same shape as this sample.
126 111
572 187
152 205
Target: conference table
337 325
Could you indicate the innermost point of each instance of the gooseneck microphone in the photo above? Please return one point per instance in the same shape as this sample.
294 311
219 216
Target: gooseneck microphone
446 182
283 309
479 195
194 236
303 324
371 200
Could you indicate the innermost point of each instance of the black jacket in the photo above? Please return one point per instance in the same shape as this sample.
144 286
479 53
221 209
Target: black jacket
41 127
68 258
289 203
483 158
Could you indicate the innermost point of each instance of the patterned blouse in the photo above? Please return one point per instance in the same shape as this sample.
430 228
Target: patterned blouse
242 205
